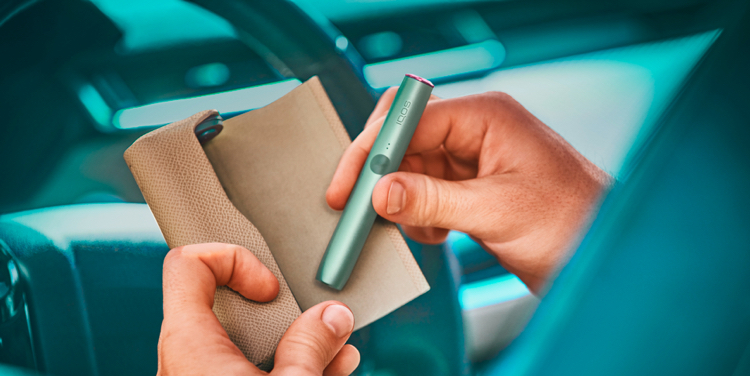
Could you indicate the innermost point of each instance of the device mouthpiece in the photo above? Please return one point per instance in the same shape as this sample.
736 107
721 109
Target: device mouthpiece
420 79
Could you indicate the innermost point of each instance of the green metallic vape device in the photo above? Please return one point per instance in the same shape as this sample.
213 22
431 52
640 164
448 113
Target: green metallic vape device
385 157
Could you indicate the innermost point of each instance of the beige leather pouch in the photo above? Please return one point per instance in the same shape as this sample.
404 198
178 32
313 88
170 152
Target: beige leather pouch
261 184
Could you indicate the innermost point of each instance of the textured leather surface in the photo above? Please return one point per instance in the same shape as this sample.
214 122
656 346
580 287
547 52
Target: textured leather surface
275 165
191 206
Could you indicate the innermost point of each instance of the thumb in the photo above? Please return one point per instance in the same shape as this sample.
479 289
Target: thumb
314 340
418 200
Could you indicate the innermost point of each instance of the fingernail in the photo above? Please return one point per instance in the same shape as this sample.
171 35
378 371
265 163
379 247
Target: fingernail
339 318
396 196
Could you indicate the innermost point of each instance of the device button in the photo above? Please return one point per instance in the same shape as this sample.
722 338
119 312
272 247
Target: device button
379 164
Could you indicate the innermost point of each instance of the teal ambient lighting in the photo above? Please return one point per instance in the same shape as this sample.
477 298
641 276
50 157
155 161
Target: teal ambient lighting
472 27
472 58
491 291
381 45
342 43
225 102
207 75
460 243
95 104
488 291
345 10
138 223
152 25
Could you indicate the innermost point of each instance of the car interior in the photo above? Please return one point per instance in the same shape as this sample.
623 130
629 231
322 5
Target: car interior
656 93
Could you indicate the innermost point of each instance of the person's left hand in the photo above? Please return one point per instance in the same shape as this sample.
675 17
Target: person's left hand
193 342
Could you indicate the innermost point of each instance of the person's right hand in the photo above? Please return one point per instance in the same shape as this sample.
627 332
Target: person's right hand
483 165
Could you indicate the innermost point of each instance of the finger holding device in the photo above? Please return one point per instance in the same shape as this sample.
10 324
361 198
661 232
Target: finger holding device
385 157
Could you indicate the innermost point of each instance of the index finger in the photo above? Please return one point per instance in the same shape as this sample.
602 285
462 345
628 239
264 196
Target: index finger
381 108
192 273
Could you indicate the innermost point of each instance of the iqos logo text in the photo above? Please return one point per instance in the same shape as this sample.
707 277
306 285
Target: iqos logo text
402 114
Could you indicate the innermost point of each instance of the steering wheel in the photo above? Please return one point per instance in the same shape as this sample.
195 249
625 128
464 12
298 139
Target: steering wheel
299 46
85 280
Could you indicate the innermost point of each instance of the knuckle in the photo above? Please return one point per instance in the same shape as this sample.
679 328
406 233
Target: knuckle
445 204
172 257
500 99
430 204
499 96
315 344
233 249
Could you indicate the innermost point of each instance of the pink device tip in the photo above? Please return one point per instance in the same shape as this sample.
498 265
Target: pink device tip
420 79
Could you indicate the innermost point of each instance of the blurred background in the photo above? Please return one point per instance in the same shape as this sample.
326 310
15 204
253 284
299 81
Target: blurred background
81 80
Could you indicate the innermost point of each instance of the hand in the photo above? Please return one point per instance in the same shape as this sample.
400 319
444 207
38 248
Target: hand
193 342
483 165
